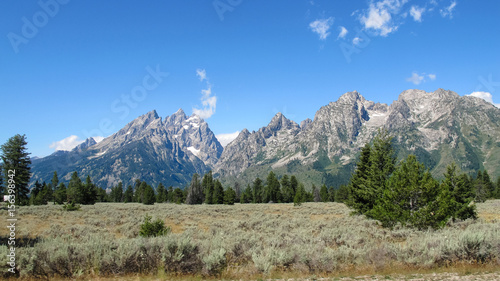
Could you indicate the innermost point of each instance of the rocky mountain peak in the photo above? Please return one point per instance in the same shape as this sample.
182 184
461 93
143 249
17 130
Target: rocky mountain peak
279 122
305 123
85 145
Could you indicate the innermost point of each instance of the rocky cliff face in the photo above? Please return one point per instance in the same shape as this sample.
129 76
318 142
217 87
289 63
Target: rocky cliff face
439 127
147 148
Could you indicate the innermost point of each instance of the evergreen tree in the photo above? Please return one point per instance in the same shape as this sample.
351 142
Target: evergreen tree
42 197
272 189
218 196
54 183
229 196
101 195
2 189
89 192
60 195
294 184
459 195
195 191
139 191
117 193
497 193
177 196
16 159
149 195
286 189
257 191
300 195
316 197
489 186
323 193
480 188
237 191
162 193
247 195
75 189
128 195
170 194
37 188
358 198
343 194
208 187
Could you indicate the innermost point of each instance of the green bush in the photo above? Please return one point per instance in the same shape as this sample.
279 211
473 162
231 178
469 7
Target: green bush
156 228
71 206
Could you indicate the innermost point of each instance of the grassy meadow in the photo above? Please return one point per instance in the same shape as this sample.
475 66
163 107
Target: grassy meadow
244 241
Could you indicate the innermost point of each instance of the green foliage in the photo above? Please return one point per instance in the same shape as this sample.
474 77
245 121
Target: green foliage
16 158
149 195
153 229
218 195
162 193
286 189
208 187
178 196
323 193
247 195
272 189
257 190
128 195
117 193
71 206
229 196
60 195
300 195
407 193
195 191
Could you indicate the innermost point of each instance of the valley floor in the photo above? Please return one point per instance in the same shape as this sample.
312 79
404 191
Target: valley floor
249 241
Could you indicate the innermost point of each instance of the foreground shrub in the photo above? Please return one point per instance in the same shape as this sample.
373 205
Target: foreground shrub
71 206
153 229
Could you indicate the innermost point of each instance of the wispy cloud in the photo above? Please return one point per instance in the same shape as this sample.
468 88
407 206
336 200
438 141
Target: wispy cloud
201 73
485 96
416 12
208 101
356 40
378 17
417 79
321 27
66 144
343 32
448 11
225 139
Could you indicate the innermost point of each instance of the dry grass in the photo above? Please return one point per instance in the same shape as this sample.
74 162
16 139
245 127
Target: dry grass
249 241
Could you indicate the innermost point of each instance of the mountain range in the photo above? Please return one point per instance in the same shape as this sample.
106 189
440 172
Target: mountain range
439 127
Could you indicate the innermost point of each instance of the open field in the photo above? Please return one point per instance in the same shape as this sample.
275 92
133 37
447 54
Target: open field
248 241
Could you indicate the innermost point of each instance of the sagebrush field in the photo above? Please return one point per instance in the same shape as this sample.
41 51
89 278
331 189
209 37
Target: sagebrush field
241 241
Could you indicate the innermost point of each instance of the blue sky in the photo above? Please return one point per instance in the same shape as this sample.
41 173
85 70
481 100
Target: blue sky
74 69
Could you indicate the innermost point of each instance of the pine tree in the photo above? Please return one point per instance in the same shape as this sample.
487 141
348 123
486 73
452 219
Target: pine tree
195 191
128 195
332 194
315 194
37 188
60 195
89 192
162 193
286 188
2 189
489 186
257 191
497 192
208 187
359 182
480 188
177 196
16 163
323 193
237 191
218 195
343 194
149 195
75 189
139 191
229 196
458 195
170 194
294 184
300 195
272 189
117 193
247 195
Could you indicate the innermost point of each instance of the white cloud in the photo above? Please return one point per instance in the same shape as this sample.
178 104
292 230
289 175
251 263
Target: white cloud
448 11
415 78
225 139
416 13
379 18
201 73
356 40
321 27
432 76
485 96
343 32
66 144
